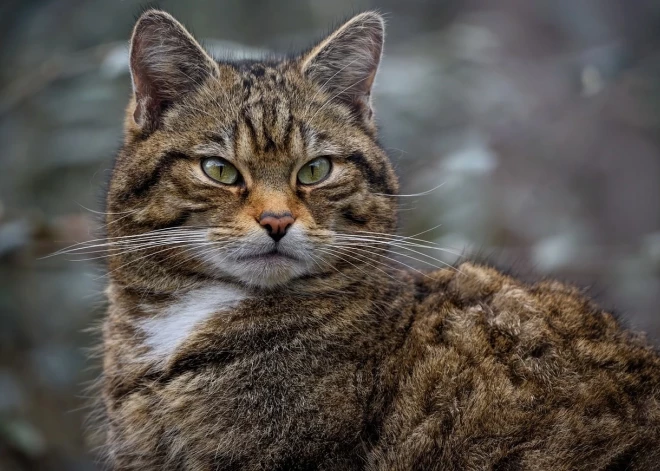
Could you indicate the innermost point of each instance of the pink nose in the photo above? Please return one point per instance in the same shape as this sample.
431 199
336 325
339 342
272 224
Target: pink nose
276 224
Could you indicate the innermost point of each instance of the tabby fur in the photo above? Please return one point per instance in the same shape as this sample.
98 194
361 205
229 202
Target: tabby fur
217 357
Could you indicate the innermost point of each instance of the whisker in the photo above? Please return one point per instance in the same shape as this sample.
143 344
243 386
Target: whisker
202 255
200 243
401 245
423 193
151 255
397 242
338 254
101 248
130 211
126 214
407 246
158 233
383 235
354 256
397 261
412 237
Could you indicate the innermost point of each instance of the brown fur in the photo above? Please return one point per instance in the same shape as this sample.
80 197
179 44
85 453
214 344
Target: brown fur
349 362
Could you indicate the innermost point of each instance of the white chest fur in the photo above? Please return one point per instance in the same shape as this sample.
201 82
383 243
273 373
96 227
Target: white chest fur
169 327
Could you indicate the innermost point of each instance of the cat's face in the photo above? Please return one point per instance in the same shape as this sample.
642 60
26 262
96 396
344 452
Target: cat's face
256 172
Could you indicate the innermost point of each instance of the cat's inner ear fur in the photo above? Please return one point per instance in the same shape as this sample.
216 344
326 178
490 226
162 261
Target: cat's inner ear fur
166 64
345 63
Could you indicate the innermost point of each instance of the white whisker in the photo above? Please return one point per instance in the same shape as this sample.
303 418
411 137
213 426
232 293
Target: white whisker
423 193
395 260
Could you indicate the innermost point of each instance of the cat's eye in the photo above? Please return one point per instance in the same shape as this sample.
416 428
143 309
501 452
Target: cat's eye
220 170
314 171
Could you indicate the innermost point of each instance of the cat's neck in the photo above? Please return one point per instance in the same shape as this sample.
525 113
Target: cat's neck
163 322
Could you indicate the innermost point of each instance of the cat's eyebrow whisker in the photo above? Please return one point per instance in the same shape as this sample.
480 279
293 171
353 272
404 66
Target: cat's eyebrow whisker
423 193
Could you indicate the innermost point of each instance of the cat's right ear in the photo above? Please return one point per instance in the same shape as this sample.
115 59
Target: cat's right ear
166 63
345 63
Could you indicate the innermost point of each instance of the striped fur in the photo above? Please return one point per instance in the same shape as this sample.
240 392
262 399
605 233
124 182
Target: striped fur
225 350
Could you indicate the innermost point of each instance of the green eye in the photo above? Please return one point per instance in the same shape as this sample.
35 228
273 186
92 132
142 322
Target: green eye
220 170
314 171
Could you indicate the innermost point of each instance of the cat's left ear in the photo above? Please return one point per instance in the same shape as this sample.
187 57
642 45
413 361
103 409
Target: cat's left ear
166 64
346 62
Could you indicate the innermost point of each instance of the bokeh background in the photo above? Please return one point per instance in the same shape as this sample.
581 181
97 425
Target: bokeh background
541 120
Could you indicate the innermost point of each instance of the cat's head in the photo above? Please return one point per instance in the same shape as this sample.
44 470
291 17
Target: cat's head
256 171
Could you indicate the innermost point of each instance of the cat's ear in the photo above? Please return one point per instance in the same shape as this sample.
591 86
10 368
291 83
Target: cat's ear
345 63
166 63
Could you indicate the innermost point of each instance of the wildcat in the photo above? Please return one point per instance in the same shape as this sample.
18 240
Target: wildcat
258 321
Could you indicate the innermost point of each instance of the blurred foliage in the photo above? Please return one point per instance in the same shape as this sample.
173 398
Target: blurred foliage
539 118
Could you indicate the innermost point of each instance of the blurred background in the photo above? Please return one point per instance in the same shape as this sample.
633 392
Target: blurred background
540 118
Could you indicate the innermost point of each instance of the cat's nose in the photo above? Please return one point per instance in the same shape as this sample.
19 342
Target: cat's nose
276 224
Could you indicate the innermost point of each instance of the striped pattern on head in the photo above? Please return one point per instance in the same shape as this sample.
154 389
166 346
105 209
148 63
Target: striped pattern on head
263 122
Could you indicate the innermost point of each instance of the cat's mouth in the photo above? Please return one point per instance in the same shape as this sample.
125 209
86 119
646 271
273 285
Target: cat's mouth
273 255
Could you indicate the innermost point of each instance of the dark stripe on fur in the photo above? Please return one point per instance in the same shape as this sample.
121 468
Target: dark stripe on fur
217 138
251 130
177 221
287 130
356 219
194 361
149 181
375 179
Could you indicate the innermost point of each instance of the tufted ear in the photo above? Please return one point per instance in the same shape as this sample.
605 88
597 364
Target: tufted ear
346 62
166 63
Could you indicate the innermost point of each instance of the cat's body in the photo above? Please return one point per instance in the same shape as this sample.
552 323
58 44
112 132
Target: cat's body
464 371
260 322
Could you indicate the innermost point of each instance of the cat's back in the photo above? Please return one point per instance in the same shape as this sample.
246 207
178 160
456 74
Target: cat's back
502 375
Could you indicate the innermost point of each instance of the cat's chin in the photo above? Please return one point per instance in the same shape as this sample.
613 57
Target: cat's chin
265 271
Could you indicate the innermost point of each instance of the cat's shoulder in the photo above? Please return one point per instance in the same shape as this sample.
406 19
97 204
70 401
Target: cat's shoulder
477 303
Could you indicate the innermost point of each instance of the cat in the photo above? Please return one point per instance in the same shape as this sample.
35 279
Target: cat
258 319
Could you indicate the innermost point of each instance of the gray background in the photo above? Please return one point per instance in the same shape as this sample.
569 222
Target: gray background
540 118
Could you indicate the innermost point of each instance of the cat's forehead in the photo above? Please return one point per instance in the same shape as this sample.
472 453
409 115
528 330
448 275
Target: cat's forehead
259 108
262 74
270 83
